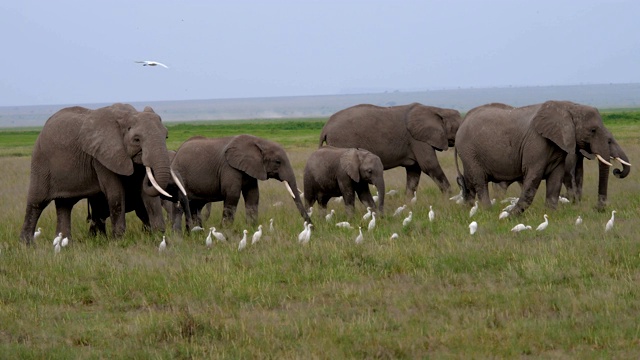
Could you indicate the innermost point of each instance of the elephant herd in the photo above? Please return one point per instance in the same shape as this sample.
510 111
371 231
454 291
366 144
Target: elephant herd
116 158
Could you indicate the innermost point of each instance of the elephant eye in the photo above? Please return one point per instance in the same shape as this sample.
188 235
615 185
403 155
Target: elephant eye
278 162
136 140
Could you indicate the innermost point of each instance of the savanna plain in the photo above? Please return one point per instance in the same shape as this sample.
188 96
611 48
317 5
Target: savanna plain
436 291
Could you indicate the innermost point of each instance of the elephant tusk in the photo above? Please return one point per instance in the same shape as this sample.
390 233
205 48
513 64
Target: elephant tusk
178 183
623 162
155 184
286 184
602 160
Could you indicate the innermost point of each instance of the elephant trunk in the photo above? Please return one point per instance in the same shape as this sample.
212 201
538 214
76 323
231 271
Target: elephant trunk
158 169
603 183
618 154
290 182
379 184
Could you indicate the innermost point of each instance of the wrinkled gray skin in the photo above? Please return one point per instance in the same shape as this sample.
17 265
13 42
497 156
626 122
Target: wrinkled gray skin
222 169
147 208
407 136
332 172
81 153
499 143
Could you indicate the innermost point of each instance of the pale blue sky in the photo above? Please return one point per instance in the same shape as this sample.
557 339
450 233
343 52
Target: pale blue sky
77 52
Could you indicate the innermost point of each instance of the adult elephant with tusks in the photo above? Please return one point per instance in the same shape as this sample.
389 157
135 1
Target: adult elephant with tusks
222 169
500 143
81 153
406 135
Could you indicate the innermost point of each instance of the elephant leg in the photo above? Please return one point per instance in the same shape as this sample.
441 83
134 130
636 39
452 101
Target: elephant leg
32 214
364 194
349 197
429 165
530 186
579 177
152 211
251 195
98 215
230 205
554 185
413 179
63 213
323 201
176 217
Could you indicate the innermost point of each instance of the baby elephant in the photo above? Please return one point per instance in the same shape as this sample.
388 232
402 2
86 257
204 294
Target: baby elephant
333 172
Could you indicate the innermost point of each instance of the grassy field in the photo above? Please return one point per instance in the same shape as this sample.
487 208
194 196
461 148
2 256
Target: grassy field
436 291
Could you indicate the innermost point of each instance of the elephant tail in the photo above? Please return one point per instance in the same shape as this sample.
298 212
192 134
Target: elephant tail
323 138
460 178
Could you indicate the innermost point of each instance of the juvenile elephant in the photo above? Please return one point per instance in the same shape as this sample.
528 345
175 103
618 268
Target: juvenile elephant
499 143
81 153
406 136
220 169
332 172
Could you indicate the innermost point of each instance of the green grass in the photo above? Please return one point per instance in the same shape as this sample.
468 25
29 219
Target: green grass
435 292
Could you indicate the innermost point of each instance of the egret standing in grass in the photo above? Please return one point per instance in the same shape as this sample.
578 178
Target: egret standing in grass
544 224
310 212
520 227
399 210
163 244
367 216
197 228
579 220
218 235
473 227
307 235
474 209
393 236
303 232
37 233
414 199
271 225
243 242
609 225
57 239
257 235
330 215
392 192
344 224
432 214
407 220
503 215
209 241
372 223
64 242
359 238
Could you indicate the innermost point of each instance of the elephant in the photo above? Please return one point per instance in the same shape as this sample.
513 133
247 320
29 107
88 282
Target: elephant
406 135
81 153
221 169
332 172
500 143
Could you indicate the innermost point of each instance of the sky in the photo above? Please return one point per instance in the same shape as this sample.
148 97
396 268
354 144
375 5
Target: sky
82 52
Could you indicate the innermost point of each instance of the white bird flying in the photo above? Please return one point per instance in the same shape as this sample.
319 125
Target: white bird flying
64 242
544 224
392 192
393 236
432 214
152 63
197 228
579 220
37 233
257 235
372 223
163 244
243 242
399 210
520 227
329 216
359 238
563 200
344 224
473 227
218 235
503 215
271 224
302 233
57 239
209 241
414 199
407 220
609 225
367 216
474 209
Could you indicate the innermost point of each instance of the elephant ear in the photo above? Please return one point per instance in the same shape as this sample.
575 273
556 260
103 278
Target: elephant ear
350 164
554 122
426 125
101 136
244 153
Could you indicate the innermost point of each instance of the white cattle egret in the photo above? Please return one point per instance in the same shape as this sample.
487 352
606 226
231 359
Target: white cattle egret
329 215
392 192
579 220
37 233
64 242
512 200
493 201
473 227
57 239
197 228
474 209
310 212
339 199
399 210
520 227
563 200
359 238
243 242
271 224
367 216
414 199
257 235
209 241
57 248
509 207
544 224
375 198
344 224
407 220
393 236
218 235
303 232
609 225
432 214
307 235
456 197
163 244
152 63
277 203
503 215
372 223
